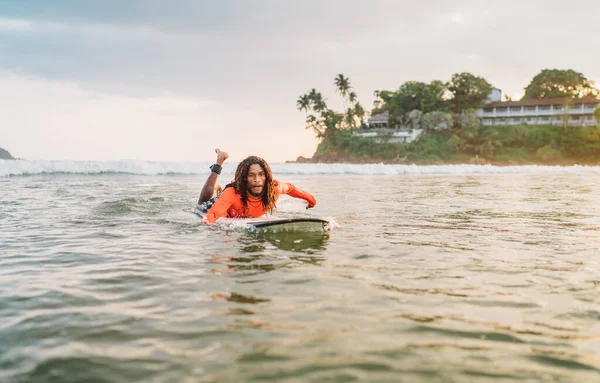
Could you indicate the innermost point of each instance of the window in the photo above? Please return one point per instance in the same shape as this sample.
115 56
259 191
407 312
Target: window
529 108
544 107
516 119
558 107
501 109
488 110
515 108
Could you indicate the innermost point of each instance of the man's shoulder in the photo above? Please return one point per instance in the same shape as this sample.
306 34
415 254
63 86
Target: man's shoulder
229 193
228 190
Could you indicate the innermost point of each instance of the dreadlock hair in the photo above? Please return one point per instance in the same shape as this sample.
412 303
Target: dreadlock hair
240 182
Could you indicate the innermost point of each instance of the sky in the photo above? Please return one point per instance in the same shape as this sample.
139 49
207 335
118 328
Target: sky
172 80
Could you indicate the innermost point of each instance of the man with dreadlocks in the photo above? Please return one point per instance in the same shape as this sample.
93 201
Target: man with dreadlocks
253 192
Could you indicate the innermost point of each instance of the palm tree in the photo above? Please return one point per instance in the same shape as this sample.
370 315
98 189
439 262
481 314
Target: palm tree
349 118
352 97
303 103
378 100
313 123
359 112
343 87
318 102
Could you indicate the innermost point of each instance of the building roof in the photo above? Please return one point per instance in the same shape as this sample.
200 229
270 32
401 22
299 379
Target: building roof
543 101
380 117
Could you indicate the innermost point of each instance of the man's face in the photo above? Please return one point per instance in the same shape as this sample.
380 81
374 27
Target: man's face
256 180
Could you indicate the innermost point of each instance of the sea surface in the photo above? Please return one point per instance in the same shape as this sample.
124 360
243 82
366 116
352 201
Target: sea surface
428 274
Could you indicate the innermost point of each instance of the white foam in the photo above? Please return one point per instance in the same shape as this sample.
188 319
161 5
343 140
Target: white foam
332 224
22 167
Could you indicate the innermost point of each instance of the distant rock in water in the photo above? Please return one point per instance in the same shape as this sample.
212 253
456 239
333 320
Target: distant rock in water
5 155
303 160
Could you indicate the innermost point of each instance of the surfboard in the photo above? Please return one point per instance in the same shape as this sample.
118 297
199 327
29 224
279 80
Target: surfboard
289 224
274 224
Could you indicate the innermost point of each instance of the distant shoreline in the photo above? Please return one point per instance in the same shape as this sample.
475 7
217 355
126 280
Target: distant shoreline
5 155
472 161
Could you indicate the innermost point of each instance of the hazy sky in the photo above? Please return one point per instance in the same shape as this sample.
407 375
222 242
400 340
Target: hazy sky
171 80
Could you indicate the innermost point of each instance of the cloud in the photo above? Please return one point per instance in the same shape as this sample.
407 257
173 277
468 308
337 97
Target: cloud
93 31
237 67
49 119
11 25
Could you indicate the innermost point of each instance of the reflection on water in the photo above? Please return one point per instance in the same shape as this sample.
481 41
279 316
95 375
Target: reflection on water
430 279
309 242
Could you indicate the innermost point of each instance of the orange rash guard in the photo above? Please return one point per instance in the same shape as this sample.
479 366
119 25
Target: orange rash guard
230 203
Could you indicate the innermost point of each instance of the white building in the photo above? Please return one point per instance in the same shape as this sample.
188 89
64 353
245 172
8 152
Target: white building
390 135
380 120
379 130
545 111
496 95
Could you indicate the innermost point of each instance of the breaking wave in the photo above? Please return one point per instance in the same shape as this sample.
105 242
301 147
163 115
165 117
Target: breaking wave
22 168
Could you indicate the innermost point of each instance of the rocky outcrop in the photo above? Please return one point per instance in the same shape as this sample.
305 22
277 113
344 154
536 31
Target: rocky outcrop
303 160
5 155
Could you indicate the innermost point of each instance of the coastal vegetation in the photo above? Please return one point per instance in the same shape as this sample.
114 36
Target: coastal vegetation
5 155
452 132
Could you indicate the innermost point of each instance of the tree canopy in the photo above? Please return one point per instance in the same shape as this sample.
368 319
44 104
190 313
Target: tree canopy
326 122
560 83
468 91
410 96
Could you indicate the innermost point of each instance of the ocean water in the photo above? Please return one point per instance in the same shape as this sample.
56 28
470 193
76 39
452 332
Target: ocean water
435 274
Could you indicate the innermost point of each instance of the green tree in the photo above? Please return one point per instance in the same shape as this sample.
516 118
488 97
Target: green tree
468 92
415 95
597 115
303 103
313 102
318 102
325 122
359 112
434 97
342 85
560 83
377 102
407 98
352 97
475 138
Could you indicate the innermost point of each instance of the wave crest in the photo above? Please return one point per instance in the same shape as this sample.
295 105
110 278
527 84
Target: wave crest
22 167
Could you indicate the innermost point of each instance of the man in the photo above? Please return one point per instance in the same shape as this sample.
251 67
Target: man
253 192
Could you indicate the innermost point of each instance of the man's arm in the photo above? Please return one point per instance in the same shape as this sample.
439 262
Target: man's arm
220 207
292 191
209 188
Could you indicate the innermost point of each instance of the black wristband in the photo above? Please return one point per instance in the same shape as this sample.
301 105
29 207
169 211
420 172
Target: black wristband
216 168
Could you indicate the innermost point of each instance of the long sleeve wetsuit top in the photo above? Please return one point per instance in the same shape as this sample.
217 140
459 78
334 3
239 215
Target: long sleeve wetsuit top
230 203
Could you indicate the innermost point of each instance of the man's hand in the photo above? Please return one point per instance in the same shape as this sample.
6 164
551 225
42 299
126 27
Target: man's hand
205 221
